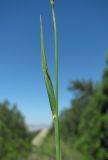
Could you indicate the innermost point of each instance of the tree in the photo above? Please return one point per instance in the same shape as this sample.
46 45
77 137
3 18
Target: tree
14 137
70 118
93 128
85 124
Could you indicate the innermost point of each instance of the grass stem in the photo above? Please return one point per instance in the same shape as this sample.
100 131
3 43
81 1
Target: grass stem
52 95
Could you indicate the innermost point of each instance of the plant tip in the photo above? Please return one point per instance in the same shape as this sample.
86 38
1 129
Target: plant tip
52 2
40 17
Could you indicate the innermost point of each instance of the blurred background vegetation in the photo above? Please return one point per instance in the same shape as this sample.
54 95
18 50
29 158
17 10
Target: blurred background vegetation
84 127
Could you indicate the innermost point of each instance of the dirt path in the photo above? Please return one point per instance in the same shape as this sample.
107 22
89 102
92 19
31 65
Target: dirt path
37 141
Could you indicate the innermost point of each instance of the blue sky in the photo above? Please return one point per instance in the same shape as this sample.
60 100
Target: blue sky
83 42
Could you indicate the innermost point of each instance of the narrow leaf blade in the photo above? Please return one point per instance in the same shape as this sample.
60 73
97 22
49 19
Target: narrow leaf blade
48 82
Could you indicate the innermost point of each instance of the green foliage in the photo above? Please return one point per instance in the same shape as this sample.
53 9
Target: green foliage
85 125
14 137
47 150
71 118
107 58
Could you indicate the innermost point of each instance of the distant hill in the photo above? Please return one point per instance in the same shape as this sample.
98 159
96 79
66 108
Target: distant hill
36 127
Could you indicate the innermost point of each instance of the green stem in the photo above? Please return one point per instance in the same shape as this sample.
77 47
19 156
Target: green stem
56 54
57 139
56 119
